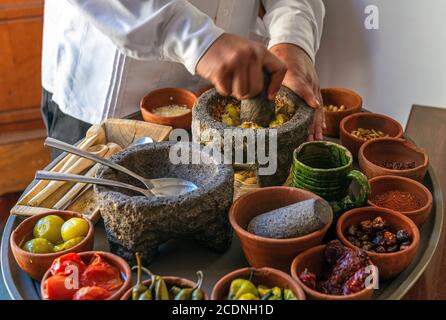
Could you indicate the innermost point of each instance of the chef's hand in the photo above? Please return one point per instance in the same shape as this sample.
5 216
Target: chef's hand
301 77
234 66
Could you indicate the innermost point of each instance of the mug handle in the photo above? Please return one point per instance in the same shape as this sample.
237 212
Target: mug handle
350 201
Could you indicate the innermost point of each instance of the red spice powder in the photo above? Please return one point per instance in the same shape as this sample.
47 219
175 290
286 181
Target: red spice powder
397 200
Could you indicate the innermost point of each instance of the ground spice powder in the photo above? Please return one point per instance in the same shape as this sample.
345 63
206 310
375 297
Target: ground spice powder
397 200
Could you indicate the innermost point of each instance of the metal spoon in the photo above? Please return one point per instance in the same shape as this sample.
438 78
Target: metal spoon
142 140
174 186
49 175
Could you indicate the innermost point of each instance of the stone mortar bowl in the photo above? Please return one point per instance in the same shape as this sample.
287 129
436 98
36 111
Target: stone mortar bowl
289 136
135 223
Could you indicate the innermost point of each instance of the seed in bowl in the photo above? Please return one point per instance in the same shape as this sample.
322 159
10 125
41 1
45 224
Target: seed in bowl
375 235
368 134
398 165
333 108
172 110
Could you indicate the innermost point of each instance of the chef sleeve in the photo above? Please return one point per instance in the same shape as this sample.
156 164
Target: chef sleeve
154 29
298 22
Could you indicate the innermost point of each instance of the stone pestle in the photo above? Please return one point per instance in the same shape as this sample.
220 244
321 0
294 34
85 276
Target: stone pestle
259 109
295 220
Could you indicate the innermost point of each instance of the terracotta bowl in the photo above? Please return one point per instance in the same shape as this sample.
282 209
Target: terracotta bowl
114 260
170 282
374 152
366 120
313 259
264 276
36 264
338 97
267 252
164 97
389 264
388 183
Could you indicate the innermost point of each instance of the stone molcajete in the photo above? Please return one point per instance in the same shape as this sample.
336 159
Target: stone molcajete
137 223
289 135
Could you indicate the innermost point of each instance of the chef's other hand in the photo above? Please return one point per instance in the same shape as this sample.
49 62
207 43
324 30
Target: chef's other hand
301 77
234 66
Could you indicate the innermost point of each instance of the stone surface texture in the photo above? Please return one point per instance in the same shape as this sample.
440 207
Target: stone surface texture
289 136
136 223
295 220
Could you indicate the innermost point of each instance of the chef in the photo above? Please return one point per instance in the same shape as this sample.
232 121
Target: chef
101 56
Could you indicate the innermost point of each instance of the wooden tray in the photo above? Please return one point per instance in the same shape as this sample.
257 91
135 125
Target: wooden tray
120 131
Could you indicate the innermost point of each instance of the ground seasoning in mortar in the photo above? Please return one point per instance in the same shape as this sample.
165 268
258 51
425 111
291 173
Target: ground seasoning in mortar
397 200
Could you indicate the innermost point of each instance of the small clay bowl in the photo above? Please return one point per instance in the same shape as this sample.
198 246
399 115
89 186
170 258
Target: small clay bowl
264 276
313 260
339 97
384 184
389 264
366 120
165 97
36 264
266 252
170 282
374 152
112 259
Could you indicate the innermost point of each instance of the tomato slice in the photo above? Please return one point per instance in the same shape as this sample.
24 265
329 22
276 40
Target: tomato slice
91 293
55 288
100 273
71 260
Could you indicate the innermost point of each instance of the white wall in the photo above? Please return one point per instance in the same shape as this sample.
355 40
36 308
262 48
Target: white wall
401 64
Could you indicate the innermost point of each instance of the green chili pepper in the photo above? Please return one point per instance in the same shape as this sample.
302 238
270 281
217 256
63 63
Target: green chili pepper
161 292
139 288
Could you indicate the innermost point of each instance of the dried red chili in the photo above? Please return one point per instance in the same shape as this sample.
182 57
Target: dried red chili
397 200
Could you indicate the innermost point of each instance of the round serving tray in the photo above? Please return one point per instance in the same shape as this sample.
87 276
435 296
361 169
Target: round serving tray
184 257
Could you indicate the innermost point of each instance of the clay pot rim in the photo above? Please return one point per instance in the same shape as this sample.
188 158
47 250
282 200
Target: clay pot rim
369 115
379 211
348 109
242 231
347 152
405 144
111 258
174 280
409 181
13 241
147 111
266 271
320 295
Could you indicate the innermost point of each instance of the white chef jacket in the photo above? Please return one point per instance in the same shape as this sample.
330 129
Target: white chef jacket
101 56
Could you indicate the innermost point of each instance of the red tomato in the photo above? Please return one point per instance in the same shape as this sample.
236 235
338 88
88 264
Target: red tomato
100 273
91 293
55 288
70 259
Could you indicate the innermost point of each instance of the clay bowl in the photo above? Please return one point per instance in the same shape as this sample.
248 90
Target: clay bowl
170 282
164 97
267 252
313 259
389 264
36 264
264 276
374 152
388 183
366 120
114 260
338 97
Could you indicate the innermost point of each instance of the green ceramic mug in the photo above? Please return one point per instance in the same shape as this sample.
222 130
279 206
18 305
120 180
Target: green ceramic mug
326 169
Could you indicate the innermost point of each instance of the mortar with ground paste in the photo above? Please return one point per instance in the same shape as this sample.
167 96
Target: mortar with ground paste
135 223
293 118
